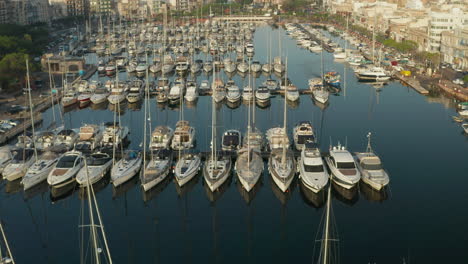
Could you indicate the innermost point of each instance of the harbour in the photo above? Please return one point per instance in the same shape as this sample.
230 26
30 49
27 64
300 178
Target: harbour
173 223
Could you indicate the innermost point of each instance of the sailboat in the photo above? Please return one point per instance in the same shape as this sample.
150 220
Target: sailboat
217 167
282 164
39 171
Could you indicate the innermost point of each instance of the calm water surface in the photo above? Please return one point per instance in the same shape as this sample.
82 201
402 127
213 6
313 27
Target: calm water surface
422 217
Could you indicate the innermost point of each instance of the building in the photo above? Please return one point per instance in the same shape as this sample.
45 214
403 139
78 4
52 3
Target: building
77 7
454 47
4 12
24 12
101 7
156 7
444 21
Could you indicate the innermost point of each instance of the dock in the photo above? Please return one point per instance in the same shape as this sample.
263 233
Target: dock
454 90
411 82
20 128
89 73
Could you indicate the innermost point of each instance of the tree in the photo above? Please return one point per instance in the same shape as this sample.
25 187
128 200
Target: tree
12 69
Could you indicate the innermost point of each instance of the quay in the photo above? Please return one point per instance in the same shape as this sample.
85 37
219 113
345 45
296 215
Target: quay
244 18
20 128
454 90
411 82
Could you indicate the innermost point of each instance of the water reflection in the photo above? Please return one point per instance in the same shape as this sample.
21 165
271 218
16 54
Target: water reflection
124 188
347 196
97 187
12 187
214 196
316 200
373 195
63 192
40 188
156 190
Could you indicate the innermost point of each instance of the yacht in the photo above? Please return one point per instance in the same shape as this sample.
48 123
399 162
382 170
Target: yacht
216 170
249 167
266 68
192 92
205 86
465 127
231 140
182 67
277 138
249 48
196 66
374 74
161 137
141 68
90 137
118 93
69 98
184 136
343 167
136 91
44 140
233 92
262 96
66 169
243 67
303 132
97 166
278 66
126 168
84 98
312 170
5 157
114 134
255 66
219 92
208 66
248 94
271 84
186 168
21 161
230 67
66 139
176 93
100 96
370 165
320 94
292 94
40 170
157 168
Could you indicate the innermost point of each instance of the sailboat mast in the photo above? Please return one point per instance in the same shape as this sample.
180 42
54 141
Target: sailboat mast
91 214
31 107
213 121
283 157
6 244
146 102
327 226
51 90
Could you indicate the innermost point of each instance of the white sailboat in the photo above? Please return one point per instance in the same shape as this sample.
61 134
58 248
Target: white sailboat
40 170
97 166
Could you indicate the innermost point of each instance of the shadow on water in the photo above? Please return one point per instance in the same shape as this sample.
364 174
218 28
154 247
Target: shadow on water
12 187
40 188
214 196
100 106
156 190
124 188
135 106
97 187
63 192
186 188
373 195
249 196
283 197
346 196
316 200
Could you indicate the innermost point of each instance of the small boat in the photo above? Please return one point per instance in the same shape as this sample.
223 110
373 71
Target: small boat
176 92
219 92
303 132
90 138
114 134
292 94
66 168
255 66
248 94
161 137
374 74
118 93
243 67
157 169
262 96
205 86
192 92
249 48
100 96
21 161
276 138
208 66
40 170
230 67
343 167
69 98
320 94
5 157
135 93
332 78
44 140
84 98
186 168
216 170
231 140
312 170
97 166
370 165
182 67
184 136
266 67
126 168
271 84
249 167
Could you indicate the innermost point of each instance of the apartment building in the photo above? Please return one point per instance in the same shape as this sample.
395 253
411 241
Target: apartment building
454 47
440 21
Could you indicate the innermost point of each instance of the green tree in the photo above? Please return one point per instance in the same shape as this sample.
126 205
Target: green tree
12 70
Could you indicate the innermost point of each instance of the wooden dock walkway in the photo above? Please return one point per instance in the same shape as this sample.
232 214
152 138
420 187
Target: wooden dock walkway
19 129
412 82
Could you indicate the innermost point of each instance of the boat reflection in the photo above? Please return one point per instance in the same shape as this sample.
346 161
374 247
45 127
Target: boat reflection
40 188
12 187
316 200
63 192
372 194
101 106
319 104
135 106
119 108
124 188
186 188
233 105
249 196
293 104
283 197
97 187
347 196
214 196
156 190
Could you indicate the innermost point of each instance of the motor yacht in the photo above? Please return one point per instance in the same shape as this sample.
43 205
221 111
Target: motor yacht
303 132
65 170
184 136
97 166
312 170
343 167
161 137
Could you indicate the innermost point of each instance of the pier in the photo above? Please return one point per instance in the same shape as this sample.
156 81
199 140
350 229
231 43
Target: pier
20 128
244 18
411 82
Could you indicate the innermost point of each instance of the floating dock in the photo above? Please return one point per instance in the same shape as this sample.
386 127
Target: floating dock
413 83
20 128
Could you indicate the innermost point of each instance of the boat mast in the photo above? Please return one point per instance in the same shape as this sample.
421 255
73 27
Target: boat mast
369 148
6 245
51 91
213 122
327 226
146 102
91 216
31 107
285 137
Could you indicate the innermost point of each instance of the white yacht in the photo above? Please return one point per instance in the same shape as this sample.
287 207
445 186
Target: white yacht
292 94
40 170
343 167
161 137
320 94
65 169
271 84
243 67
276 138
157 168
184 136
219 92
255 66
231 140
126 168
69 98
100 96
66 139
114 134
312 170
233 92
374 74
372 172
118 93
186 168
192 92
89 138
248 94
97 166
249 48
303 132
19 164
262 96
136 91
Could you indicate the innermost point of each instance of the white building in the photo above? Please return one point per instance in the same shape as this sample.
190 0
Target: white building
444 21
